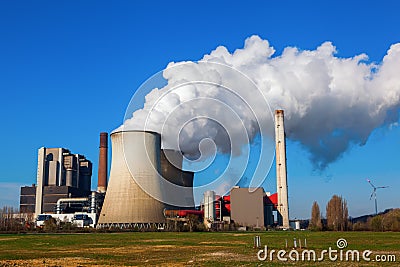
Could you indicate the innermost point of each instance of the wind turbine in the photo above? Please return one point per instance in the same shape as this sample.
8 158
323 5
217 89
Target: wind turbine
373 194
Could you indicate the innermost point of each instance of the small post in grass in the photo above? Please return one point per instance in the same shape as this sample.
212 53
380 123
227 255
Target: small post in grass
257 241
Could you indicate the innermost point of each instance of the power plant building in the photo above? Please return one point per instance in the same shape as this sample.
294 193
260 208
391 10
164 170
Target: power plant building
60 174
248 207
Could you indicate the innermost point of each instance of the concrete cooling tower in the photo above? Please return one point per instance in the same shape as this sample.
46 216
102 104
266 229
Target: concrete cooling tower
171 169
137 162
125 203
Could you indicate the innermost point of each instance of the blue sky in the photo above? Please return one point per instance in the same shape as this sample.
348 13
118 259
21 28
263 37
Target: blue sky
69 68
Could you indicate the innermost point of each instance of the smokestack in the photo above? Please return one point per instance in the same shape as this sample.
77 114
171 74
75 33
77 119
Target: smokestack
281 178
102 175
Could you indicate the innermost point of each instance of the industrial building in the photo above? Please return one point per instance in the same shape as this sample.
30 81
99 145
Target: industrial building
248 207
64 184
60 175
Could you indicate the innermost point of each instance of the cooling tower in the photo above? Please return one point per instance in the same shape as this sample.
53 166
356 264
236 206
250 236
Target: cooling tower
135 154
171 170
281 177
171 165
102 174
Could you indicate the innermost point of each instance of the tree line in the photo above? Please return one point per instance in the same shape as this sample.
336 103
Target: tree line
8 219
337 218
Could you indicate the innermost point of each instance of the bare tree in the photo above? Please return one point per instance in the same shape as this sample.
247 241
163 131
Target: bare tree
191 221
376 223
337 214
315 223
8 219
391 220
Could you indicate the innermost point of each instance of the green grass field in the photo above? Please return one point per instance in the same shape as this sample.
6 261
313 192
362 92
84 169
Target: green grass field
183 249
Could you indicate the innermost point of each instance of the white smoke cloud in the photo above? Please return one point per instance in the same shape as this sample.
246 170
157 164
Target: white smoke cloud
330 102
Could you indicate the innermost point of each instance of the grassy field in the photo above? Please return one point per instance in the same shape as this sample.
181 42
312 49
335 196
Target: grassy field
183 249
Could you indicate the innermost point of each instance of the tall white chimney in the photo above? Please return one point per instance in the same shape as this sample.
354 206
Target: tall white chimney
281 178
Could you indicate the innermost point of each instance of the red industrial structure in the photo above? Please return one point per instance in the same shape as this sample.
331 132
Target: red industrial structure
222 207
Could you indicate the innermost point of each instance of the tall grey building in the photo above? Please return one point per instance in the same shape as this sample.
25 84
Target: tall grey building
60 174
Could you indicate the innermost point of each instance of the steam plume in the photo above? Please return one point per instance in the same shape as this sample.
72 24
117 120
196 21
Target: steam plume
330 102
